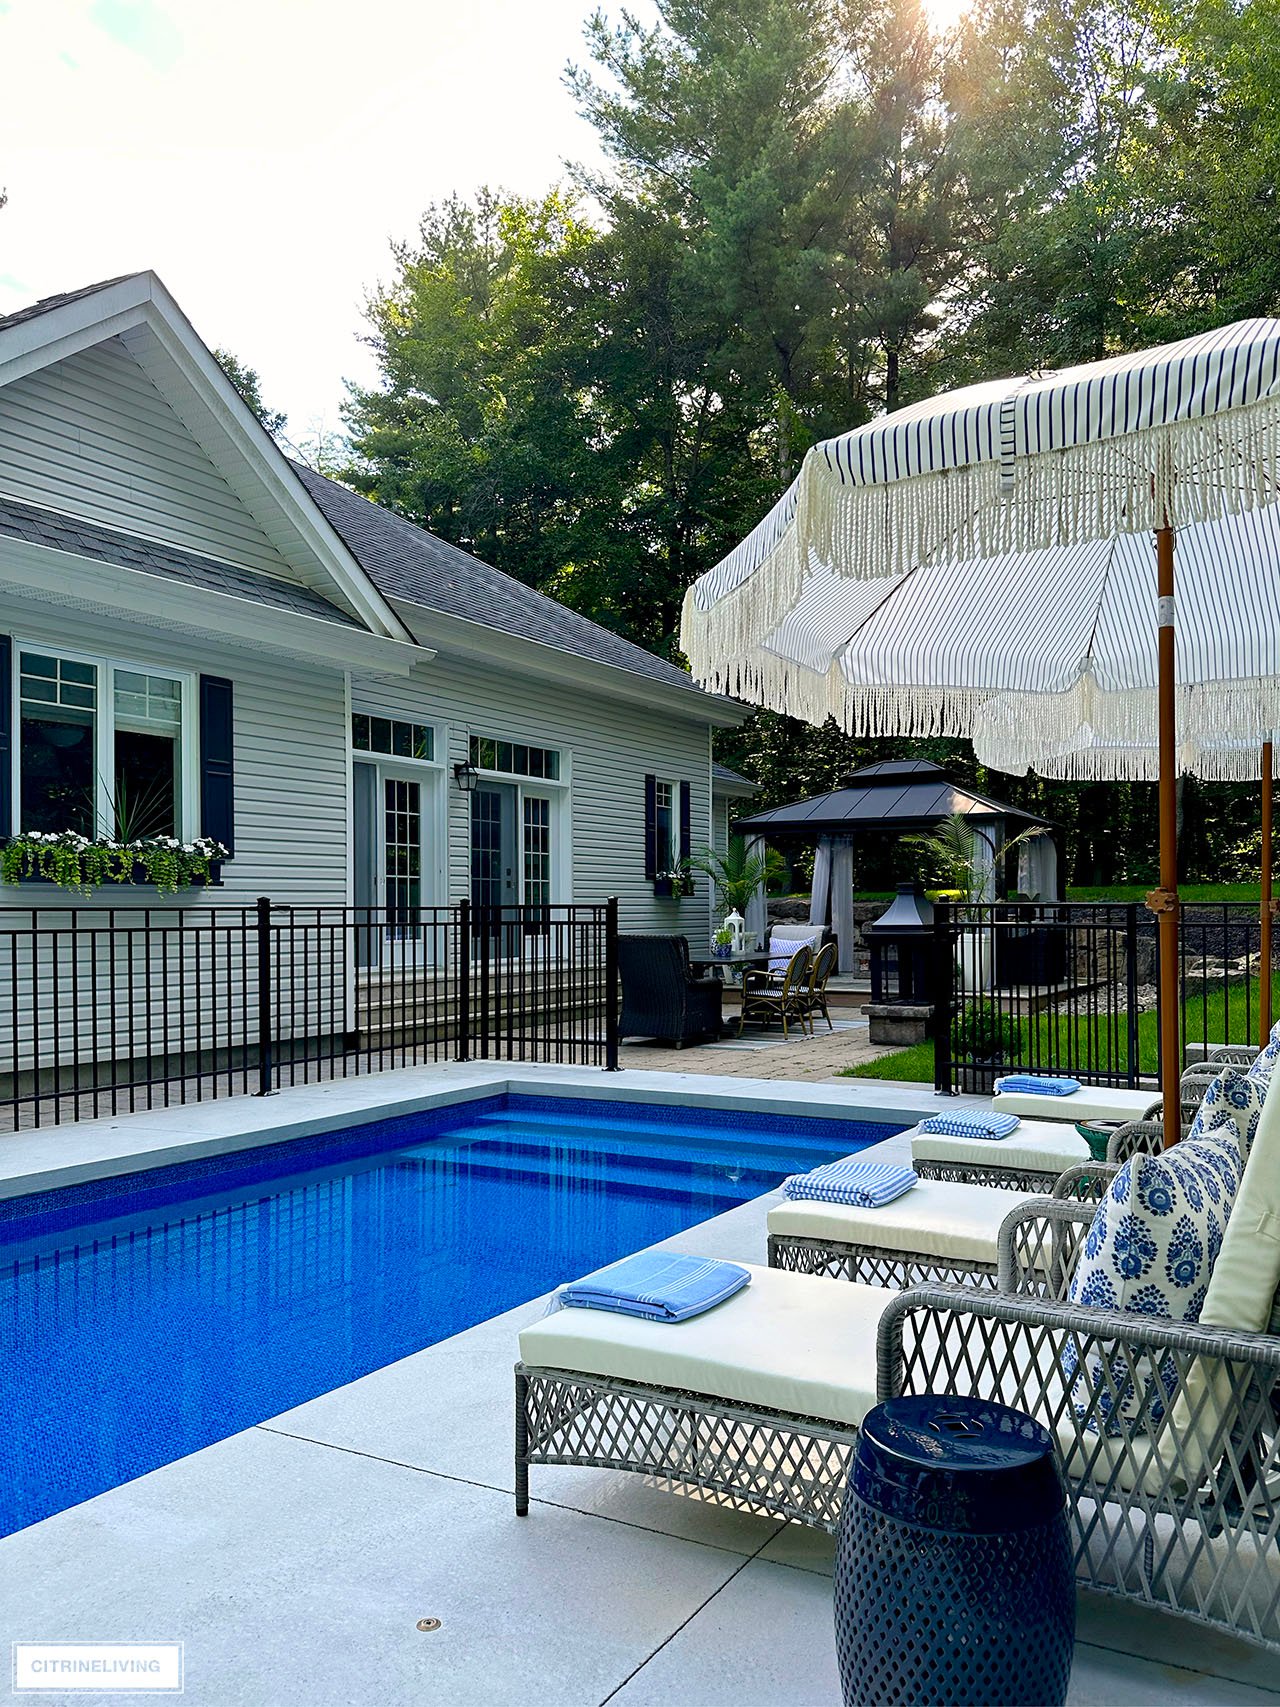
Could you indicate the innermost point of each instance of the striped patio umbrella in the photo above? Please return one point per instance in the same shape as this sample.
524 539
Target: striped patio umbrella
999 541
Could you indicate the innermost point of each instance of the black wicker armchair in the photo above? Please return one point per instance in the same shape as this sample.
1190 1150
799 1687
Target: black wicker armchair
660 996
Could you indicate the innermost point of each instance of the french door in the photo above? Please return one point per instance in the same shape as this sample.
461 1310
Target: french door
391 847
512 855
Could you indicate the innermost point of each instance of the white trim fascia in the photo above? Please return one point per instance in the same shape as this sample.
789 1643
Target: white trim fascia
62 577
74 326
476 641
143 300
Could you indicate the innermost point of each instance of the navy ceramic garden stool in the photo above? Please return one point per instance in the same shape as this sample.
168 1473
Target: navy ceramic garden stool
954 1579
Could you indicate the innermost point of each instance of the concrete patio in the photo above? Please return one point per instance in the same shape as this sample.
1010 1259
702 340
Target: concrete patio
296 1559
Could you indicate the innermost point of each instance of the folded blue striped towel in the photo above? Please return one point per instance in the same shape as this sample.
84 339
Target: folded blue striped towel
984 1123
659 1286
865 1185
1036 1085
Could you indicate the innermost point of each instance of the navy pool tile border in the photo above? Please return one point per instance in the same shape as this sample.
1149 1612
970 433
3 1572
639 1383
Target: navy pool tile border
53 1211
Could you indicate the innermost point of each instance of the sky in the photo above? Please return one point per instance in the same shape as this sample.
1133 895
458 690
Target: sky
259 155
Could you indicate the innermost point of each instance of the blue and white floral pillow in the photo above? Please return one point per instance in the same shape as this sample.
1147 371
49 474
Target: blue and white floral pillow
1265 1064
1153 1241
1231 1109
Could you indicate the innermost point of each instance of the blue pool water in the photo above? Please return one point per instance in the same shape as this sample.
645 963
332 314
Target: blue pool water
144 1317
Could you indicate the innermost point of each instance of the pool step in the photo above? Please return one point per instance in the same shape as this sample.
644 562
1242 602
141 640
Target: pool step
789 1150
593 1173
463 1145
788 1159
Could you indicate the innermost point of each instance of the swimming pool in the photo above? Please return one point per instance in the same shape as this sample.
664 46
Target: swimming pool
147 1316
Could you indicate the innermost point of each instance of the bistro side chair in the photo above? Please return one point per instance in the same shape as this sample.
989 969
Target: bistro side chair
771 1002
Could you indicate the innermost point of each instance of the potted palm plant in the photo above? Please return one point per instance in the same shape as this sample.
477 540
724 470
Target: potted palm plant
738 874
962 863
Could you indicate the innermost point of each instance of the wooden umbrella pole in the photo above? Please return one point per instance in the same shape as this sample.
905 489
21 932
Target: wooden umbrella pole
1264 988
1164 901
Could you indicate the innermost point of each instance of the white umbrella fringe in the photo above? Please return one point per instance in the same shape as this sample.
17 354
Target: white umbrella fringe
1104 749
1062 633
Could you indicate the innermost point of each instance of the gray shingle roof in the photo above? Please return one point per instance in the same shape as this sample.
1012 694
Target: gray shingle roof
69 533
47 304
722 773
406 562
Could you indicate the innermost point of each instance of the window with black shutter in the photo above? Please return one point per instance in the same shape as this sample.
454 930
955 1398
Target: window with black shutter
217 761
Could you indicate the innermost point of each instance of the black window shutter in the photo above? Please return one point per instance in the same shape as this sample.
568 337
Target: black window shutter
651 826
7 825
217 761
686 820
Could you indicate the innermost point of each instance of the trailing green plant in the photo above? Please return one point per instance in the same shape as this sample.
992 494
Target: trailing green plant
738 874
73 861
981 1031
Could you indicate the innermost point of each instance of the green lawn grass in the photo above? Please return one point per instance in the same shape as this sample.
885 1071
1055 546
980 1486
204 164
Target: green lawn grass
1220 1017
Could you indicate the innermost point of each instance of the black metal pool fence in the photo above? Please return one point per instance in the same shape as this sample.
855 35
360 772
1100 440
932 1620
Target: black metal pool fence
106 1010
1072 987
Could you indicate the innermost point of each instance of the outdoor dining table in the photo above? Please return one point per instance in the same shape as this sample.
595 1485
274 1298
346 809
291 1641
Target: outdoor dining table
739 962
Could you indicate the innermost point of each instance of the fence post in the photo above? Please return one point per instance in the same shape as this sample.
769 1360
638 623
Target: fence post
464 981
484 927
943 980
1131 992
266 1063
611 985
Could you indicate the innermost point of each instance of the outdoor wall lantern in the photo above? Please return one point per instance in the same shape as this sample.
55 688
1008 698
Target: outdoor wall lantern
466 776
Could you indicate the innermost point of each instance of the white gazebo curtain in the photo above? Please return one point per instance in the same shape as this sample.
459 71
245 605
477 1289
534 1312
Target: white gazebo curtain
842 901
1038 869
756 918
820 893
831 898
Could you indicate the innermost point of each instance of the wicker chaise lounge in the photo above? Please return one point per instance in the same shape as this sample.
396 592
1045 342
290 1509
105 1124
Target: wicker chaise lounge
758 1405
1030 1160
1112 1102
938 1231
1033 1158
660 996
758 1402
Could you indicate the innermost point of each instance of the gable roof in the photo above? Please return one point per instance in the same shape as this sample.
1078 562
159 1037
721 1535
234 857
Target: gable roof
87 539
726 781
137 315
407 563
47 304
370 555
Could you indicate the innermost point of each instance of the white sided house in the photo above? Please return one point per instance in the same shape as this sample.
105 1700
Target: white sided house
199 633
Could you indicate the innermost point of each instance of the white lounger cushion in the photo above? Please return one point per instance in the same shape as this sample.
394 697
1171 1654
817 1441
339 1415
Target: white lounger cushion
787 1342
1048 1146
1090 1102
935 1218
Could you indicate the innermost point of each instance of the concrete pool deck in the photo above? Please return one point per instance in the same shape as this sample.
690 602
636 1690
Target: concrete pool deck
295 1559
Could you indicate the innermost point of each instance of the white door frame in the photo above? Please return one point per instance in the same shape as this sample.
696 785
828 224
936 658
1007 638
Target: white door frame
430 779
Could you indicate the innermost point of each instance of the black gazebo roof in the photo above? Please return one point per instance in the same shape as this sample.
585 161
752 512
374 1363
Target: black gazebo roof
900 795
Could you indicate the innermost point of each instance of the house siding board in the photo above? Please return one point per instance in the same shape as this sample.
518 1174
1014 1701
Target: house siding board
608 750
93 437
